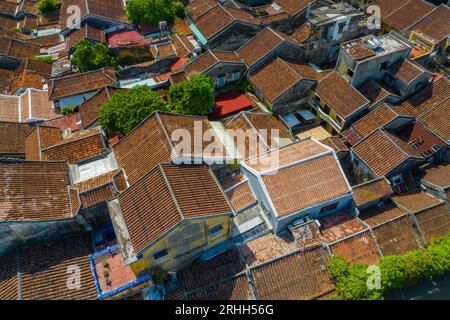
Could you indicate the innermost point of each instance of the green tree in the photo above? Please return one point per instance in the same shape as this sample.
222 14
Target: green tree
47 6
154 11
194 96
127 109
91 56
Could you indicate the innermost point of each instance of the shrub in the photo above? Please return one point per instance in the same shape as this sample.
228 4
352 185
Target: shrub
194 96
125 110
91 56
68 110
47 6
47 59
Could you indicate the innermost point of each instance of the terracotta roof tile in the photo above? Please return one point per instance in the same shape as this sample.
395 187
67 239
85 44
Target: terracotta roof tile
39 138
241 196
371 191
438 176
258 127
339 95
300 276
148 144
428 98
380 215
276 77
437 120
303 33
336 144
380 153
209 59
34 191
259 46
236 288
293 7
436 25
376 119
13 138
374 92
357 249
207 272
267 247
216 19
396 237
405 70
79 149
81 83
291 189
198 7
409 14
415 201
339 226
44 270
9 280
85 32
167 195
434 222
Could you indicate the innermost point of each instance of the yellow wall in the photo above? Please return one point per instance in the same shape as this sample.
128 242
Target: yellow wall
184 244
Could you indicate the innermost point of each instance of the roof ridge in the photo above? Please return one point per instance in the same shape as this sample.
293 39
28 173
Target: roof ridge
253 127
397 9
172 194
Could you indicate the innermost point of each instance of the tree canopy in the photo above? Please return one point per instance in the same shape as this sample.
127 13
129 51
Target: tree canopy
154 11
194 96
125 110
47 6
92 55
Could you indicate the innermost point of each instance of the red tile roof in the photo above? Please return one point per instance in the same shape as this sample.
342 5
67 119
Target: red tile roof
34 191
288 183
127 39
261 45
380 152
437 120
166 196
13 139
89 109
81 83
426 99
339 226
409 14
415 201
9 280
339 95
294 7
85 32
357 249
78 149
371 191
229 103
405 70
275 78
437 176
45 269
150 143
300 276
434 222
209 59
436 25
241 196
236 288
219 17
207 272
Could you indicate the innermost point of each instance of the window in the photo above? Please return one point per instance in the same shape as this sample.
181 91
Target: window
326 109
221 81
236 75
350 73
216 230
161 255
384 66
329 207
